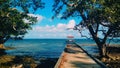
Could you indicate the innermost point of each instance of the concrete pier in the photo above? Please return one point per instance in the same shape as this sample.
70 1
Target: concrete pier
75 57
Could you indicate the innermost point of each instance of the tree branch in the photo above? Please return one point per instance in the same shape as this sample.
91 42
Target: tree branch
106 25
97 28
106 35
97 40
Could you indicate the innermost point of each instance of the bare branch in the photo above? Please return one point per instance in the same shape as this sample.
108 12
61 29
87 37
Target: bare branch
97 28
106 35
106 24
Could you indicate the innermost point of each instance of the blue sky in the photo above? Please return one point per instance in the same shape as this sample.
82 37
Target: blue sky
48 28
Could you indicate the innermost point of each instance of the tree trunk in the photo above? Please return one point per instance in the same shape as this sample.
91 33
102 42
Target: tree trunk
2 46
3 39
101 44
2 49
1 43
102 50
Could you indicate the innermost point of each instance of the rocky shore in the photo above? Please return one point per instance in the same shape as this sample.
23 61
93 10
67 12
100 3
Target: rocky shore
113 59
7 61
10 61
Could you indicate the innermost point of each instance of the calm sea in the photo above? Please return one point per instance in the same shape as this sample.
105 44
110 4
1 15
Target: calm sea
49 48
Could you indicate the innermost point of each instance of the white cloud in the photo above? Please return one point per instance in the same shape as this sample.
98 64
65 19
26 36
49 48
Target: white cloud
58 31
61 26
71 24
39 18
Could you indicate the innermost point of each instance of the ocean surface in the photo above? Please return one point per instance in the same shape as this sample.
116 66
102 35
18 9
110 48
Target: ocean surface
49 48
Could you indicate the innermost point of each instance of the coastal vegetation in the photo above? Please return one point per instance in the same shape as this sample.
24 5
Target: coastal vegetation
13 14
100 17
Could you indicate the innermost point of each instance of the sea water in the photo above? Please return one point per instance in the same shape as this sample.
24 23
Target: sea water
49 48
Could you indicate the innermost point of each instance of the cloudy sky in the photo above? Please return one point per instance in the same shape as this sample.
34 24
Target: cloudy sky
48 28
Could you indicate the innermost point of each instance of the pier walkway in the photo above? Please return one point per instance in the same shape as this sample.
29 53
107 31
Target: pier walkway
74 57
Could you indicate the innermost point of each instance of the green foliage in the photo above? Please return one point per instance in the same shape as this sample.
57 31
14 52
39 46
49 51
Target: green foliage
101 12
27 5
112 10
12 21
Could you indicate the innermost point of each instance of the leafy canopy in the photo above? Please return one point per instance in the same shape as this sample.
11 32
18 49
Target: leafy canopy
12 21
93 12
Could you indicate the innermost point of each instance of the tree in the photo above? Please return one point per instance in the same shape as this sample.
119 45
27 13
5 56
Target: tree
98 16
12 15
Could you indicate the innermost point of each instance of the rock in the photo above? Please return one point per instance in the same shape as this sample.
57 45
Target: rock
17 66
107 64
103 59
117 58
114 58
37 62
109 59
